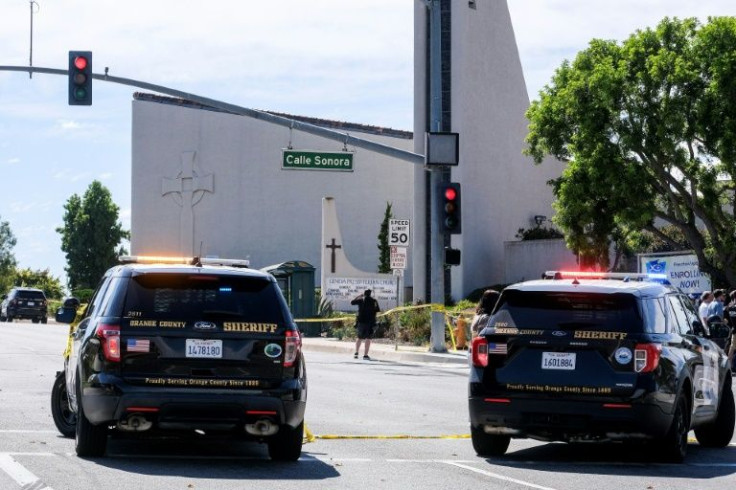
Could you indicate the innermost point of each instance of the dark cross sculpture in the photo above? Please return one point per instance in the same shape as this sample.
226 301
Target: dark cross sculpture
333 247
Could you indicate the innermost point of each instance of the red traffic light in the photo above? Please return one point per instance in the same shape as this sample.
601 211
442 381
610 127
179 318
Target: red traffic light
80 62
450 193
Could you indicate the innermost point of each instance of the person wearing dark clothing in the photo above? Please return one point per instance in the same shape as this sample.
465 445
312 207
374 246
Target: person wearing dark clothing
365 321
483 310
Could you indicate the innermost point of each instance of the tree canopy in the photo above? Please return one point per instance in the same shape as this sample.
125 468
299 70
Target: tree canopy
384 251
39 279
7 258
648 130
91 236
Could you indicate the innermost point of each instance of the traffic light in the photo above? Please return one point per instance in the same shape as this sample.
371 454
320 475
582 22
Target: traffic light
80 77
450 212
452 256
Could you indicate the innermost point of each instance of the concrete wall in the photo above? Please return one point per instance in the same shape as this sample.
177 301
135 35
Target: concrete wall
526 260
257 210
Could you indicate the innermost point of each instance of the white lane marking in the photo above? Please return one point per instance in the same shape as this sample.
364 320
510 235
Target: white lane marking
498 477
19 431
22 476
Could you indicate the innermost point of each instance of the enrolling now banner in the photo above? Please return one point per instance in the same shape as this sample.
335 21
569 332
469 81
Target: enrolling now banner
681 269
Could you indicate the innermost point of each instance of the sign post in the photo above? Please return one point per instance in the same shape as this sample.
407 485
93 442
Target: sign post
399 235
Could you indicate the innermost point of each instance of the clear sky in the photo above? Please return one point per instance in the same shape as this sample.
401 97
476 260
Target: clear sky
333 59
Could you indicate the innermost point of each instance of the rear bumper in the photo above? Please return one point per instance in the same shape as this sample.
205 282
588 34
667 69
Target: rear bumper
31 312
194 408
565 419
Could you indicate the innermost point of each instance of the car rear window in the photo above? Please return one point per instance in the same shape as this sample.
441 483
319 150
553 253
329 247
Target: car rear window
30 295
544 310
203 297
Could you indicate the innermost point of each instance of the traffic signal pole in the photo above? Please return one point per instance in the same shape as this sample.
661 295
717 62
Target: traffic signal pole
437 244
436 234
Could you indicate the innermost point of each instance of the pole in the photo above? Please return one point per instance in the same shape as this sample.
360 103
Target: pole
30 58
294 124
436 237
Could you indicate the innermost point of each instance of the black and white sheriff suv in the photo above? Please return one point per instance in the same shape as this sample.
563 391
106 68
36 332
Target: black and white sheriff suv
599 357
173 348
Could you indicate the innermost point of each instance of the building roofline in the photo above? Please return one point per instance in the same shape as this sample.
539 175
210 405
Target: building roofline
325 123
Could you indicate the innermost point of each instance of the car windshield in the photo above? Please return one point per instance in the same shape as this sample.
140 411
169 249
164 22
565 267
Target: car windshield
545 310
203 297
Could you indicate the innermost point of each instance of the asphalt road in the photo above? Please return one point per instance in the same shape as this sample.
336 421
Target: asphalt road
378 424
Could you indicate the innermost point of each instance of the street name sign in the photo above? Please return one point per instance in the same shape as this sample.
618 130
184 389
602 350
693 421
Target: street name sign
317 160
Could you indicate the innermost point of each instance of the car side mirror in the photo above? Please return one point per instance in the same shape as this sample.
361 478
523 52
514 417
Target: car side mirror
698 328
71 302
65 314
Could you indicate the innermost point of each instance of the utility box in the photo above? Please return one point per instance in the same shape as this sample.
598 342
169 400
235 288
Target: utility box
296 280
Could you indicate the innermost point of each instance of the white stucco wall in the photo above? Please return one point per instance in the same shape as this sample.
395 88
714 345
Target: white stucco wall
527 260
257 210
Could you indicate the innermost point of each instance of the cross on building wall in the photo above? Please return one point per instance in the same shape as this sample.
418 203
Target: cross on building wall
187 189
333 246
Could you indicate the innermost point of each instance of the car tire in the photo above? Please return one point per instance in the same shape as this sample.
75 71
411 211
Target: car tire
719 432
64 419
286 445
487 445
44 319
10 319
672 448
90 440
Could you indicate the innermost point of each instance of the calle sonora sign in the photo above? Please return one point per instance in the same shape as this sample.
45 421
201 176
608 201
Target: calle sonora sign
317 160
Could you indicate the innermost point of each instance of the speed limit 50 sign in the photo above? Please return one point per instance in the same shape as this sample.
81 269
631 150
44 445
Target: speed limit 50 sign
398 232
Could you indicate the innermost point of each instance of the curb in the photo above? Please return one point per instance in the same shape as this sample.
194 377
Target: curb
381 352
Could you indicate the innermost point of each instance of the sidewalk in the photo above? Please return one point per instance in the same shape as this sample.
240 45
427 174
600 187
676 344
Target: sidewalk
380 351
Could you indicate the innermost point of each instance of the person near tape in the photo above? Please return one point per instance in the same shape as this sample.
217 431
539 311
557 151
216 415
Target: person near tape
483 310
365 322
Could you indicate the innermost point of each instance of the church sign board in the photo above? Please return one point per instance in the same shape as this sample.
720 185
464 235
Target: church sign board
342 290
317 160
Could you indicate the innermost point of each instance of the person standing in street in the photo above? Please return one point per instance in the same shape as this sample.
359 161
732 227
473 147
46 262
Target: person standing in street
705 300
715 308
365 321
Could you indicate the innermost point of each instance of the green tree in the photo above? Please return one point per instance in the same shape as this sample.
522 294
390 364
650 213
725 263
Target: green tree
91 236
648 130
7 258
39 279
384 257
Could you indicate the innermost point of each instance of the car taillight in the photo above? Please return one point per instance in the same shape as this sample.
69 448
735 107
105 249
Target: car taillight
109 336
291 348
480 352
646 357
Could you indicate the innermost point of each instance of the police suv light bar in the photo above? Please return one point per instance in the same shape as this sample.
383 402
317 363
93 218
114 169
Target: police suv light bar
154 259
602 275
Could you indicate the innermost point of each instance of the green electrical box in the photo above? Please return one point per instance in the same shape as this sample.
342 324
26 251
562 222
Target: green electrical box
296 280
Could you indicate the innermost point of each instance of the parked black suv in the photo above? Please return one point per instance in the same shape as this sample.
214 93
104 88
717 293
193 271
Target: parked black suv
24 303
165 348
581 359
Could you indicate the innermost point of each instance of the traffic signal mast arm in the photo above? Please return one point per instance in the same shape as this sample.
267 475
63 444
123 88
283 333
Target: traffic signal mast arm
344 138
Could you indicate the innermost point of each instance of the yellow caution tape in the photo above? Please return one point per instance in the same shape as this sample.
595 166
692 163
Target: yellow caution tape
311 437
382 314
